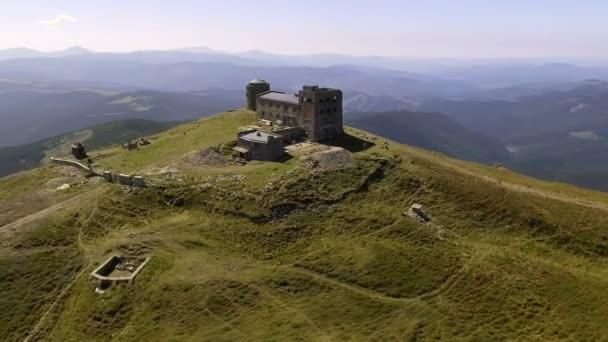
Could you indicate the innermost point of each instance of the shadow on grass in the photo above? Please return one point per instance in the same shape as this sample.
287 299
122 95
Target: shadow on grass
351 143
283 159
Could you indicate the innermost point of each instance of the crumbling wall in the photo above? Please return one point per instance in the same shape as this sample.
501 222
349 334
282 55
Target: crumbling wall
106 268
139 182
101 275
75 164
108 176
128 180
124 179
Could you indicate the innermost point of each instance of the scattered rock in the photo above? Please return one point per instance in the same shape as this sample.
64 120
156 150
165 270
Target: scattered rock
64 186
417 211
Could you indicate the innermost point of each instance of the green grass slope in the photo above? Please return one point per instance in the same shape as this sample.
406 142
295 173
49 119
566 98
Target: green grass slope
276 252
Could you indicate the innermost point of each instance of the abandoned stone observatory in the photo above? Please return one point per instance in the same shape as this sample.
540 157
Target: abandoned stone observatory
313 114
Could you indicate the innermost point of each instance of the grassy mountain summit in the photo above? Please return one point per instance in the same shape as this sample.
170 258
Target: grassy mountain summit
277 251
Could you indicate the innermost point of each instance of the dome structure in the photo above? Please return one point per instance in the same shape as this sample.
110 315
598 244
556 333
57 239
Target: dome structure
257 81
255 87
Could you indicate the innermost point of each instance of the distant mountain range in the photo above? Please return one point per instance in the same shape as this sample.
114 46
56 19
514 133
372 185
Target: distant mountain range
31 53
202 75
480 73
558 135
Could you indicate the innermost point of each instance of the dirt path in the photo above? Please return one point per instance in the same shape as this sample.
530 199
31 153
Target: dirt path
69 286
353 288
62 294
359 237
451 280
44 212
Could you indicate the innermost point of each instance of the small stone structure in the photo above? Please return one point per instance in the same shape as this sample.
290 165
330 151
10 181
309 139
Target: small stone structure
118 269
418 212
123 179
129 180
138 181
259 145
108 176
78 151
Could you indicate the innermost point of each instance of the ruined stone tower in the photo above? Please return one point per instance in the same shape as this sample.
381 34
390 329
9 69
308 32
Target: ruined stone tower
255 88
321 111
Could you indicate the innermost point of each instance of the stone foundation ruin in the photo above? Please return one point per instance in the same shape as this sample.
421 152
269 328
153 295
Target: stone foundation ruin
118 269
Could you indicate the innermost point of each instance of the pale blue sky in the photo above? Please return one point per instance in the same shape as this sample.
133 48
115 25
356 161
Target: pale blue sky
429 28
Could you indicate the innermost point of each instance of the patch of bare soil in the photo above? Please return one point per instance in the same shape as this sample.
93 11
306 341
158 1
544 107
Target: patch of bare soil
332 158
134 249
211 157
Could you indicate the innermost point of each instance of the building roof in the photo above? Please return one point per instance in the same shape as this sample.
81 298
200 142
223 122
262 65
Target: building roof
280 97
259 136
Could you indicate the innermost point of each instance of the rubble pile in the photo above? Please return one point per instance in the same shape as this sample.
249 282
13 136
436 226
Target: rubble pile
211 156
333 158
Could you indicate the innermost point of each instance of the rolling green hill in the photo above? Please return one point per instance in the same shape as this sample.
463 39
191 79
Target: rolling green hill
432 131
24 157
278 252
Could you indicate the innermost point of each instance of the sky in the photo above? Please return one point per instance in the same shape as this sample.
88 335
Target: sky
425 28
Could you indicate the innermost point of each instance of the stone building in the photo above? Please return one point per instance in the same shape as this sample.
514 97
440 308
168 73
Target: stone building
317 112
314 114
260 145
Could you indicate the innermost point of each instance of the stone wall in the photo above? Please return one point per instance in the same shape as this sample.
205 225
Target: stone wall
274 110
78 165
290 134
128 180
101 275
123 179
138 181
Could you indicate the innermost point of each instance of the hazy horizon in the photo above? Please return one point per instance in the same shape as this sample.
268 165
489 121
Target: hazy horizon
435 29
